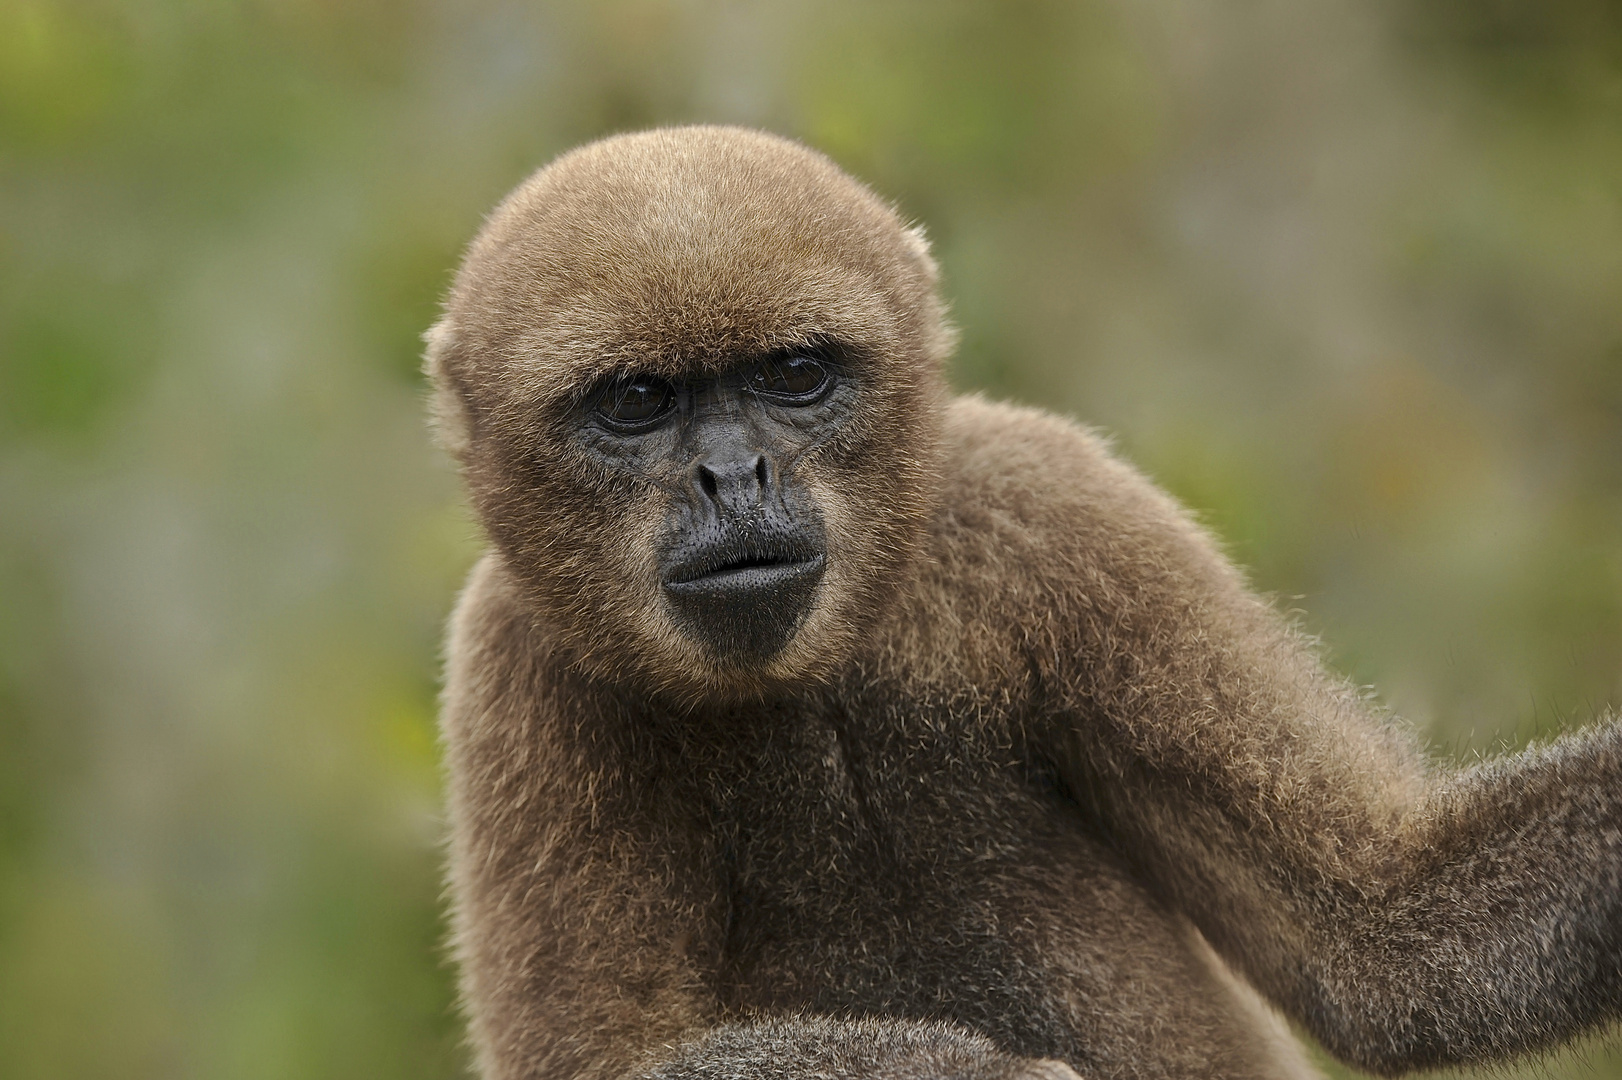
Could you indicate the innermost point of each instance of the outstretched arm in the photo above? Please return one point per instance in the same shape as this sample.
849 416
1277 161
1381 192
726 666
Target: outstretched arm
830 1049
588 918
1408 916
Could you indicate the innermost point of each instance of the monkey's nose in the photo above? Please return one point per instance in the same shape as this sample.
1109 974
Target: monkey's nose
736 483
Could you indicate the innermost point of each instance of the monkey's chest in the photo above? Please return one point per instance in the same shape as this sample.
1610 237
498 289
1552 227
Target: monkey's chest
904 873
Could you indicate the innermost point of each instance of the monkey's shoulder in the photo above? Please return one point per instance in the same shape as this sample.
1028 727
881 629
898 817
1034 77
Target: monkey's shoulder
1044 545
500 658
1024 464
1031 499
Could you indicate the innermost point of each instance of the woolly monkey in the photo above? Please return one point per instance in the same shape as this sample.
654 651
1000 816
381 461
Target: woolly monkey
806 720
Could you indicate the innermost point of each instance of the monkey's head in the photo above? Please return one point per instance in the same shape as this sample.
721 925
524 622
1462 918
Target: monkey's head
693 379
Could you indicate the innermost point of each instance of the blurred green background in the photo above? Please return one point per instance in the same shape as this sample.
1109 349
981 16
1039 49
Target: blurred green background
1345 275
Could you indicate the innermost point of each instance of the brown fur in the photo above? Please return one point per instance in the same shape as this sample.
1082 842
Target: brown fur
1034 754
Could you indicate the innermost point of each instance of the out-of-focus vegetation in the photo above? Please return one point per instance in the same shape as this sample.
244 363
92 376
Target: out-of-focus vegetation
1346 276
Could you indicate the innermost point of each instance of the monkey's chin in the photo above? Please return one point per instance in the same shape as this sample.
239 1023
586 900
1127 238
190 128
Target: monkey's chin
746 614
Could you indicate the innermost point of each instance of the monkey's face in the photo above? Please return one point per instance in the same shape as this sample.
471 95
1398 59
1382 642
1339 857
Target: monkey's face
742 549
692 377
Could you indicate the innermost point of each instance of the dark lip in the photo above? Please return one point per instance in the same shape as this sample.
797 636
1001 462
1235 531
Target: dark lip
743 571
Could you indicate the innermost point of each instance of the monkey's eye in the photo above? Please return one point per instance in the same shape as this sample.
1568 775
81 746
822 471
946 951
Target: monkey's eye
790 380
635 402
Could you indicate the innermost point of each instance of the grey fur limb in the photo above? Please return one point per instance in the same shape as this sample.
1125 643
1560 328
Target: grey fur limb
825 1048
1408 916
1504 934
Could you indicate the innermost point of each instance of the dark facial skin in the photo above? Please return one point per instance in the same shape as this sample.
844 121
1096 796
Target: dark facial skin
743 548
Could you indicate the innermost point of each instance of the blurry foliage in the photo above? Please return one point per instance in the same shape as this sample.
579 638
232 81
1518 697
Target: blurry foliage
63 371
1563 47
1346 276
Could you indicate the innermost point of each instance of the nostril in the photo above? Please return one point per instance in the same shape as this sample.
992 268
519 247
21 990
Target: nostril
706 480
762 471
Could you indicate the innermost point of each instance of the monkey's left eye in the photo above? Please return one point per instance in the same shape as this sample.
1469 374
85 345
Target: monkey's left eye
635 402
791 380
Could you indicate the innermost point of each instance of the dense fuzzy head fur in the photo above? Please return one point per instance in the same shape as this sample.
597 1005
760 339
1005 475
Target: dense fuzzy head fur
677 253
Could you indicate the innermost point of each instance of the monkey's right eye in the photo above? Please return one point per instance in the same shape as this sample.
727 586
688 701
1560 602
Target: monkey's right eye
635 402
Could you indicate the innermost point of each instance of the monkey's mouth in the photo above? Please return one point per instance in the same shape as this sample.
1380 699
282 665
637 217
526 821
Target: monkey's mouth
744 601
743 572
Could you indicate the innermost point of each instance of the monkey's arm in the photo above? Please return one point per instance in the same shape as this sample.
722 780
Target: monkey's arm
837 1049
1484 923
587 921
574 906
1408 917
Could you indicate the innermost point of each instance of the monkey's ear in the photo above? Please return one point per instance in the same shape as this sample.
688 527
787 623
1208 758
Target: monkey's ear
448 413
918 248
942 334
